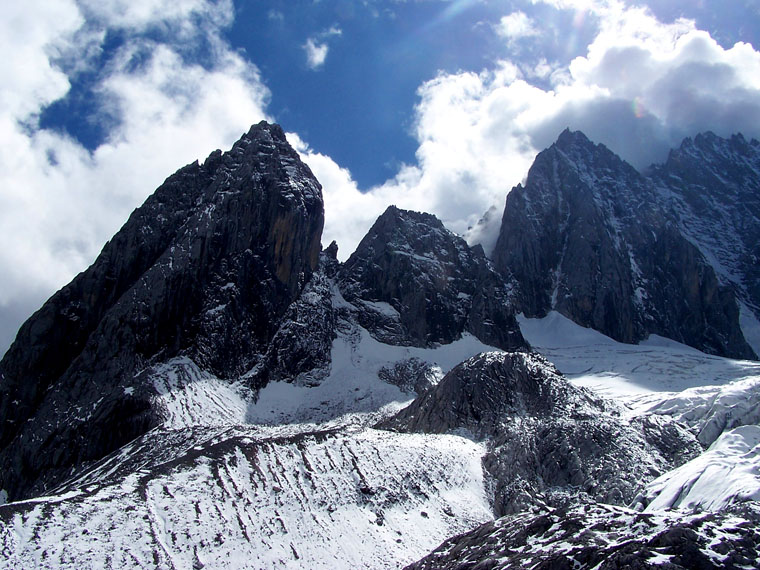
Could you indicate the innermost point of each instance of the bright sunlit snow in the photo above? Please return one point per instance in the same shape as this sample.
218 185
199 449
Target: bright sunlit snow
353 384
634 372
728 472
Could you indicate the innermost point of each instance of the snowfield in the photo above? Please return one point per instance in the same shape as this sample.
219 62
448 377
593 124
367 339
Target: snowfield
353 385
293 478
718 399
655 367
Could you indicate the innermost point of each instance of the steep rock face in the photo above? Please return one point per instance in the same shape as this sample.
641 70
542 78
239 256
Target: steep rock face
299 352
589 236
206 267
419 284
549 442
713 185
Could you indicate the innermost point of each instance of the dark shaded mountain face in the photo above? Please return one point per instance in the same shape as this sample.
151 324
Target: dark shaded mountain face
604 537
548 441
207 267
592 238
713 185
419 284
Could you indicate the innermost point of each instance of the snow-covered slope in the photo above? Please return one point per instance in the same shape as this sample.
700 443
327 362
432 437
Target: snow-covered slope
728 472
188 396
330 499
717 399
709 410
353 385
646 372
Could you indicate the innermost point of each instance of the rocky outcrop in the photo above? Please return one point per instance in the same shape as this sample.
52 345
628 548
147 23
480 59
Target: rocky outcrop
590 237
207 267
549 443
411 375
606 538
419 284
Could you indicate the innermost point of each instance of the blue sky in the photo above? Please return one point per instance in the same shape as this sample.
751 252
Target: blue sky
436 105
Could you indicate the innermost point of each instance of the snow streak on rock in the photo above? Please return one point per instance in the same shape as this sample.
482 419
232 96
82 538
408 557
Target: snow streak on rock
331 499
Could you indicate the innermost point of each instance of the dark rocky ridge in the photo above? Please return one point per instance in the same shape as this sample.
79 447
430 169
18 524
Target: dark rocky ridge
605 538
549 442
300 350
207 267
438 287
590 237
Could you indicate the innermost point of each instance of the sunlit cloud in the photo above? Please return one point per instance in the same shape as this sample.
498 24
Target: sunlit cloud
316 48
641 87
515 26
59 202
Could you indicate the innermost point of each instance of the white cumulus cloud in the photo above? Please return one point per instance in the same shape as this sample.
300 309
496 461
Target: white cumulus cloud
515 26
316 47
640 88
316 53
59 202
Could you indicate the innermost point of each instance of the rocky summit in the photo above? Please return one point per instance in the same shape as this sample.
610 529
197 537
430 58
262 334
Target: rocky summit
218 391
592 238
434 284
547 440
207 267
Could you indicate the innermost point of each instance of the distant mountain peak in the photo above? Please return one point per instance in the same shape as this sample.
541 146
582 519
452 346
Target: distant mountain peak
572 138
438 285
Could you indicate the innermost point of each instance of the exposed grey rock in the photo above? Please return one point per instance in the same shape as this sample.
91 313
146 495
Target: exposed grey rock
436 286
549 442
411 375
207 267
590 237
604 537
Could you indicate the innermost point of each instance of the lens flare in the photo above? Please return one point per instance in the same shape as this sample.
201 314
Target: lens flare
639 110
454 9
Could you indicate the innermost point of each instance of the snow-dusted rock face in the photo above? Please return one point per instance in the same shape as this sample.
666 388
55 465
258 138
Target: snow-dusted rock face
419 284
207 267
549 442
713 184
603 537
590 237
